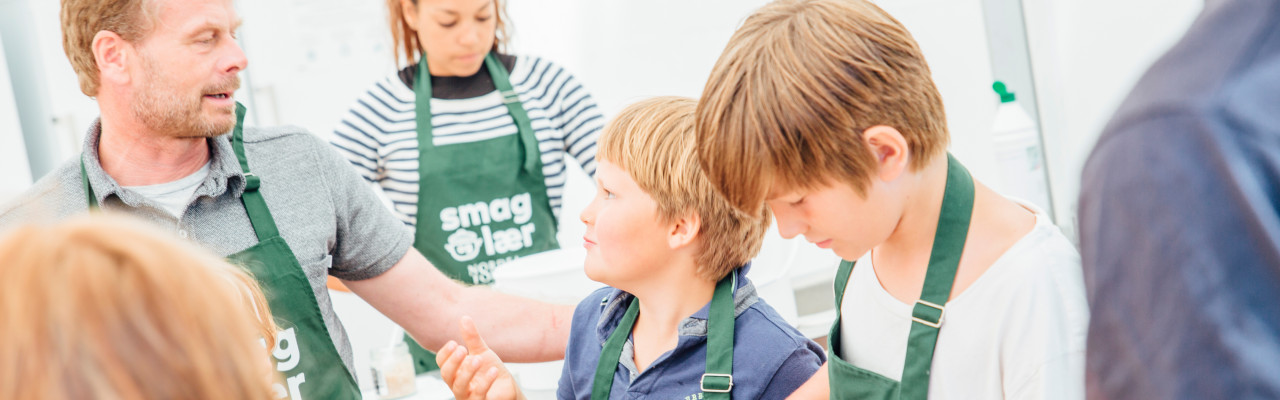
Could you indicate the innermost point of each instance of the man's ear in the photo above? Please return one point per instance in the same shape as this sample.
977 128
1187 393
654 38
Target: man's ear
684 230
112 54
893 156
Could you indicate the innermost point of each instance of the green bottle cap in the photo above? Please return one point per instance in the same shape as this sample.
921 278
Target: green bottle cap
1005 95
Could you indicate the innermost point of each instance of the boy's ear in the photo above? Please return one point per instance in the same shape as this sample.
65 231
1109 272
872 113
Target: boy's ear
684 230
893 156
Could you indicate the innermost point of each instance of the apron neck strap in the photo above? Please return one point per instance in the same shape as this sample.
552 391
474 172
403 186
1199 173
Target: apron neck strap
842 280
88 189
944 258
949 239
717 381
608 363
254 204
531 155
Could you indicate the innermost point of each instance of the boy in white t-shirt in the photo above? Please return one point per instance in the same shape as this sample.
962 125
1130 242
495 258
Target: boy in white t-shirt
825 110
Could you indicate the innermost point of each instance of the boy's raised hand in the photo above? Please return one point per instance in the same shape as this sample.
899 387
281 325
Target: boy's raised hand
459 366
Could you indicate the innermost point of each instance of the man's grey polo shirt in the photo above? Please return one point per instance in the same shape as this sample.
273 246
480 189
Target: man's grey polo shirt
325 212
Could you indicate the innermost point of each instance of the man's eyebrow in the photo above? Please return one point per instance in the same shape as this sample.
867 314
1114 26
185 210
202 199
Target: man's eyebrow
211 25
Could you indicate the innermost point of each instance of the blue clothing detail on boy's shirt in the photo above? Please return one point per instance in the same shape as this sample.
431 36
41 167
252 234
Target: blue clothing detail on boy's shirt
1180 219
770 357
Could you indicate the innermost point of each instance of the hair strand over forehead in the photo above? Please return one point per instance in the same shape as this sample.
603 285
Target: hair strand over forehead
787 102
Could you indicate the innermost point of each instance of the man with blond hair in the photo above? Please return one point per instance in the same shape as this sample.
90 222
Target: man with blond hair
170 147
825 110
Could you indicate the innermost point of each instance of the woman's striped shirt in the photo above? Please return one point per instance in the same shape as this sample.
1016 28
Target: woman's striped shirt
379 132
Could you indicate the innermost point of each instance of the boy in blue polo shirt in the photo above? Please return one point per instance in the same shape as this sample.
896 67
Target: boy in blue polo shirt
680 320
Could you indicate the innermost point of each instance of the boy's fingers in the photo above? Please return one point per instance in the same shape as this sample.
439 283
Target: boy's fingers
482 382
445 352
466 372
449 370
472 336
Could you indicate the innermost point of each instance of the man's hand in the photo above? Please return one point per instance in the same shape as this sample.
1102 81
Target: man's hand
475 372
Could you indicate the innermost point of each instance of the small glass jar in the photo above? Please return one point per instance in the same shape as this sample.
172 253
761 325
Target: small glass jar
393 375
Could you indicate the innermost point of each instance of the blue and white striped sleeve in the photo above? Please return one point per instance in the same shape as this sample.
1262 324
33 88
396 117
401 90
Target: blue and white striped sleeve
355 138
578 117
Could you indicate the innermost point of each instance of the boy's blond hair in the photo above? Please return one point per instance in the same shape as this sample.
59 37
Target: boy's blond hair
108 308
653 140
798 83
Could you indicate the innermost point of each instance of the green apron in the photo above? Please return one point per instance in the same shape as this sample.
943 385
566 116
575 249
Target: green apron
850 382
303 352
480 204
717 381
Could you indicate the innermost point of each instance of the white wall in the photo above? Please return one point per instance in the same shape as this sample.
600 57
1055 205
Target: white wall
1087 54
952 35
627 51
309 59
53 83
13 152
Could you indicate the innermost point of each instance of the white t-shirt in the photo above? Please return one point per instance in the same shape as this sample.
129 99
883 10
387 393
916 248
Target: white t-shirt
1018 332
176 195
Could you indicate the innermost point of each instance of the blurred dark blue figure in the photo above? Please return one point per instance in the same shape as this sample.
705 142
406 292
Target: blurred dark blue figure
1180 219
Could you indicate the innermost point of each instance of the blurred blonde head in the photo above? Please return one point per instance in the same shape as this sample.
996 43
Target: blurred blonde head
106 308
